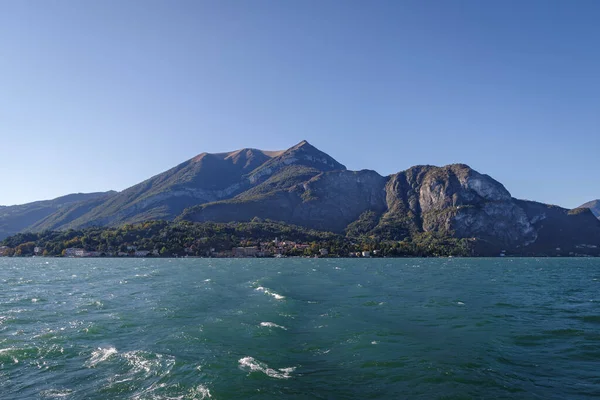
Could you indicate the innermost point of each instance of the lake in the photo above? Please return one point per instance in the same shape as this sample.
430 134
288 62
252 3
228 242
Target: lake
299 328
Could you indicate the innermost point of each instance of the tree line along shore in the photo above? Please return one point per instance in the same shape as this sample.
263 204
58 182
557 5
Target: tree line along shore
244 239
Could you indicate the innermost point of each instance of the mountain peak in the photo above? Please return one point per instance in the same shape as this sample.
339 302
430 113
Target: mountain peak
303 143
593 205
306 152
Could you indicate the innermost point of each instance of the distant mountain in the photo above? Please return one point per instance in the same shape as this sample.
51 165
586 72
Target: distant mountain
306 187
22 217
208 178
593 205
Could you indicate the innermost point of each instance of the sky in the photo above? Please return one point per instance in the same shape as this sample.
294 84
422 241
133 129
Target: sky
100 95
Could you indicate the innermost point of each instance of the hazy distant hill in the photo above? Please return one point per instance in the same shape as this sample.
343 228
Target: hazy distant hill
306 187
593 205
17 218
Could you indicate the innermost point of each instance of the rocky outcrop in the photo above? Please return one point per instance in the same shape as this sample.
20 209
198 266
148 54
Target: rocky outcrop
561 231
457 200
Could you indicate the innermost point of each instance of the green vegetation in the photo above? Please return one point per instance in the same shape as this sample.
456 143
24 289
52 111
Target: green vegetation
217 239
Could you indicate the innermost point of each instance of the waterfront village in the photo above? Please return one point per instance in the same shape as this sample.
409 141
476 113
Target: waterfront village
274 248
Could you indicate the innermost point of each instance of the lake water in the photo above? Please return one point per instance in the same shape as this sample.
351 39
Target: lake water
299 329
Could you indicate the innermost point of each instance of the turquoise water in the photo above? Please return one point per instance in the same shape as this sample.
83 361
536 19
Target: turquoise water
299 329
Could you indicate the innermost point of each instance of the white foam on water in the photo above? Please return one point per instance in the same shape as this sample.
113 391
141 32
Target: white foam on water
162 391
252 365
99 355
201 392
56 393
34 300
374 342
269 292
272 325
143 365
141 361
460 303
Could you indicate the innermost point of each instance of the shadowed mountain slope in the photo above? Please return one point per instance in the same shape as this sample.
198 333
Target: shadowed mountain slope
17 218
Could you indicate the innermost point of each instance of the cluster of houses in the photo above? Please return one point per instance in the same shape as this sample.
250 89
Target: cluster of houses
274 248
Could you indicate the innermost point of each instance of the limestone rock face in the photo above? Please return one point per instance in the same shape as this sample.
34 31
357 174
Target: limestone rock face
456 199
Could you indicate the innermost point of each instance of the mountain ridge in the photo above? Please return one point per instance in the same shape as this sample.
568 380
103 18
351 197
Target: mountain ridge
594 206
306 187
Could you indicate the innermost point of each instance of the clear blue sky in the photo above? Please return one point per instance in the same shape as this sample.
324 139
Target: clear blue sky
99 95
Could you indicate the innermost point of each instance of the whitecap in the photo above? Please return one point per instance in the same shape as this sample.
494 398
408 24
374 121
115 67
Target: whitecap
56 393
99 355
252 365
148 362
272 325
201 392
460 303
267 291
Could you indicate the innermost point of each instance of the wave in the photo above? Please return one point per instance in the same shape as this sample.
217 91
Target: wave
252 365
99 355
201 392
269 292
142 361
272 325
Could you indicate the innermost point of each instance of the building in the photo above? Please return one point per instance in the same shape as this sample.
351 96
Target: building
141 253
81 253
323 252
37 250
73 252
366 254
245 251
4 250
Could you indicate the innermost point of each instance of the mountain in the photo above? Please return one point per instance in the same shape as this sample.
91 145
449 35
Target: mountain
454 200
208 178
593 205
22 217
306 187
